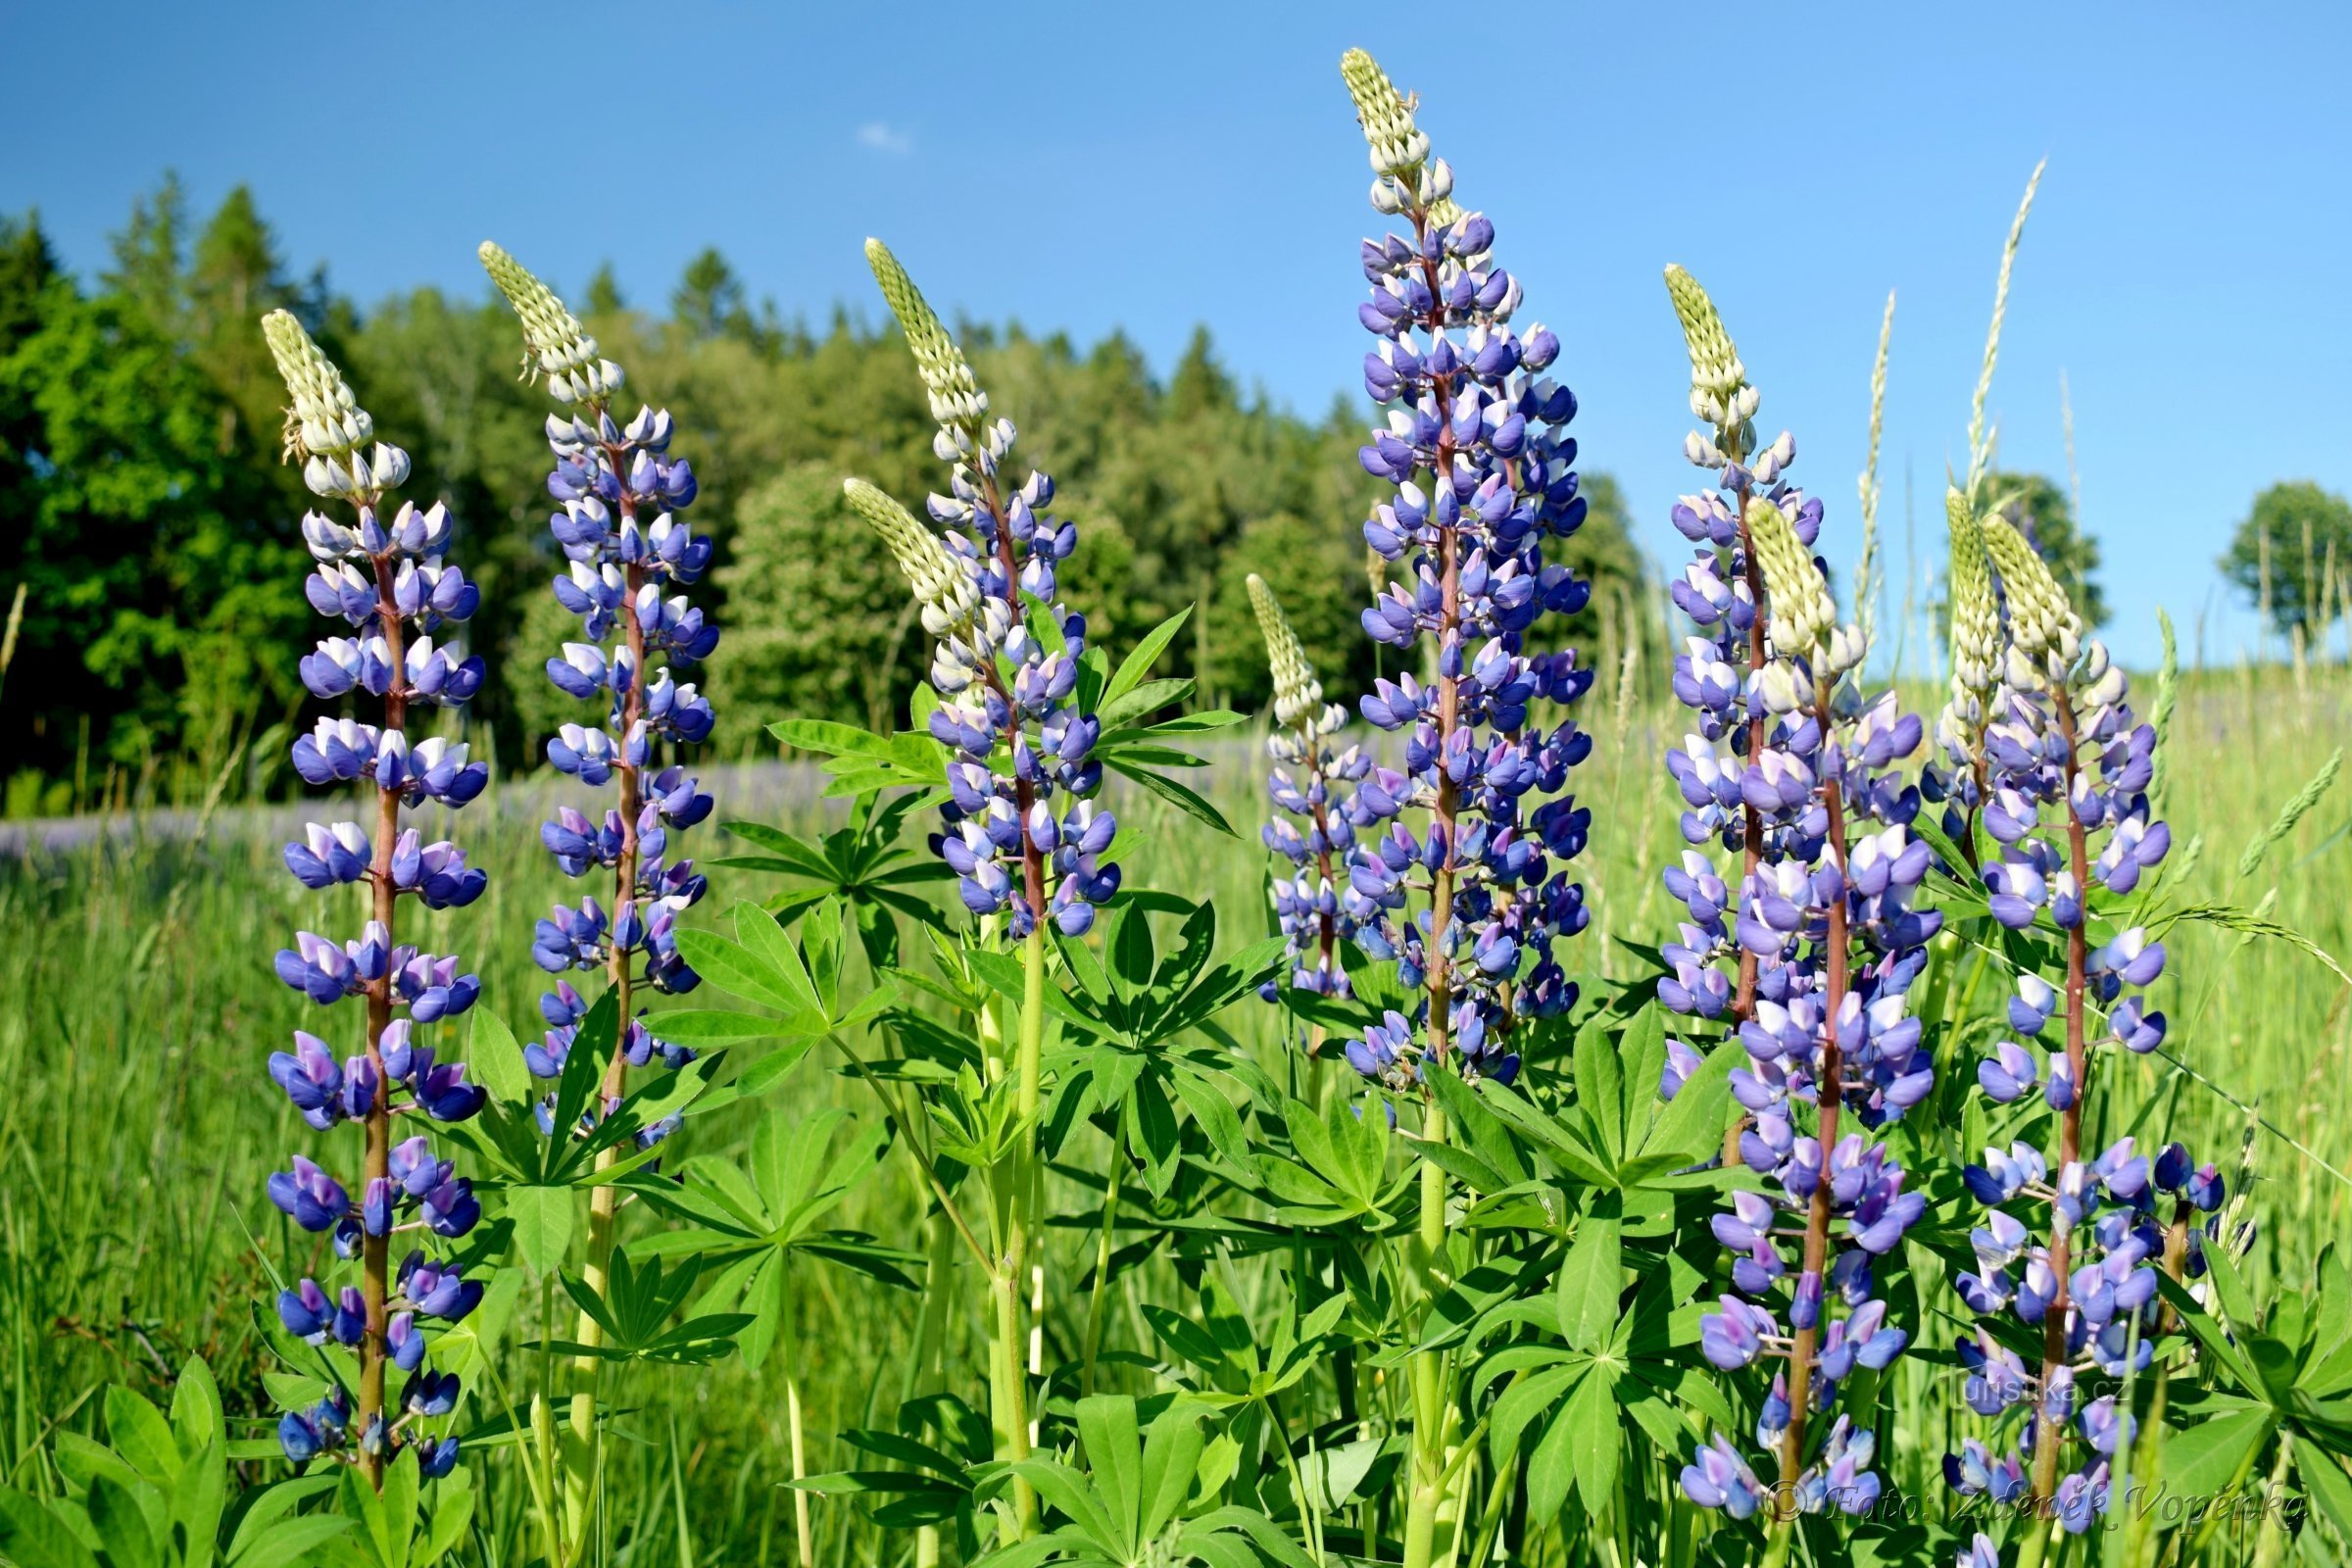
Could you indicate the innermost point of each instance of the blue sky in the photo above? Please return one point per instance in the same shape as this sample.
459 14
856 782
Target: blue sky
1151 168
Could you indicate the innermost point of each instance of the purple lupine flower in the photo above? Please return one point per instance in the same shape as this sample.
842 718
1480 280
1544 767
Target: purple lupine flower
1827 941
386 580
1020 830
1320 847
626 551
1482 475
2063 766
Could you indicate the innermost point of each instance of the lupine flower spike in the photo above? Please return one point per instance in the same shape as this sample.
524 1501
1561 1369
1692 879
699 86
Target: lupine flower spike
1959 780
385 579
626 552
1714 675
1827 916
1026 841
1308 771
2061 739
1484 474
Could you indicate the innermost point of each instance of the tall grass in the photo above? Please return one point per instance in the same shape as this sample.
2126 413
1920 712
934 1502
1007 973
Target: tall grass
136 1123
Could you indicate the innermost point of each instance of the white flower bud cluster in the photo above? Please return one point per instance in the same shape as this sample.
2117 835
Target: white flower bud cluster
1802 618
1976 631
1720 396
2044 628
957 401
353 477
561 349
1299 705
942 585
325 419
1397 146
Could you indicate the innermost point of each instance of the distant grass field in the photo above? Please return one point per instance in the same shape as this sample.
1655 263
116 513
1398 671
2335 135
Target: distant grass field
137 1122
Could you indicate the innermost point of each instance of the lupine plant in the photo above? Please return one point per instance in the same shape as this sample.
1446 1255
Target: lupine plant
2062 740
626 551
1308 771
1827 941
1475 445
383 576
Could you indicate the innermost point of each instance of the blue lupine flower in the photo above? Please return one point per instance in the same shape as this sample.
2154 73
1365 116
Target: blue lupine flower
1482 475
387 582
1308 901
2059 771
1020 830
626 551
1792 767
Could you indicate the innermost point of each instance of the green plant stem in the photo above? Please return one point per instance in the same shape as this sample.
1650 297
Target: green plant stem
930 1356
1431 1410
804 1526
1099 1298
1017 1184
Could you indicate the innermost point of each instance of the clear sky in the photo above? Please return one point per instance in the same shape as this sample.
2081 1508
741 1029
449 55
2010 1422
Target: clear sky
1154 166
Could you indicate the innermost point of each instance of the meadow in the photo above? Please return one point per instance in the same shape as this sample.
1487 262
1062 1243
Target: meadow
135 1011
1647 1078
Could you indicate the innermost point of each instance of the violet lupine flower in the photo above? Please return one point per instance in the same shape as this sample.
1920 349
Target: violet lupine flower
1826 916
627 550
1719 590
2061 740
1025 842
2092 1289
386 581
1308 904
1475 445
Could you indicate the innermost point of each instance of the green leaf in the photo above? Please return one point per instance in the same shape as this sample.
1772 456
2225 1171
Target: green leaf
198 1499
121 1524
827 739
33 1536
195 1406
542 1219
766 941
453 1511
1138 663
290 1541
707 1027
791 851
1601 1090
2323 1482
1183 797
1593 1276
740 973
1692 1124
495 1060
1592 1419
1551 1468
2199 1461
139 1433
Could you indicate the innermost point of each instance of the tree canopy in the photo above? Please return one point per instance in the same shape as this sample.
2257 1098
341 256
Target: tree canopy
143 504
2291 556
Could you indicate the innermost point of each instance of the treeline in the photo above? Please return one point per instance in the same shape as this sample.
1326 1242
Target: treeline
151 527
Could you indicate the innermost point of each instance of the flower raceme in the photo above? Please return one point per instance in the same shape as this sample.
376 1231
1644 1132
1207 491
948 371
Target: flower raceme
1483 473
627 551
2070 1242
1821 927
1320 846
385 579
1025 841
